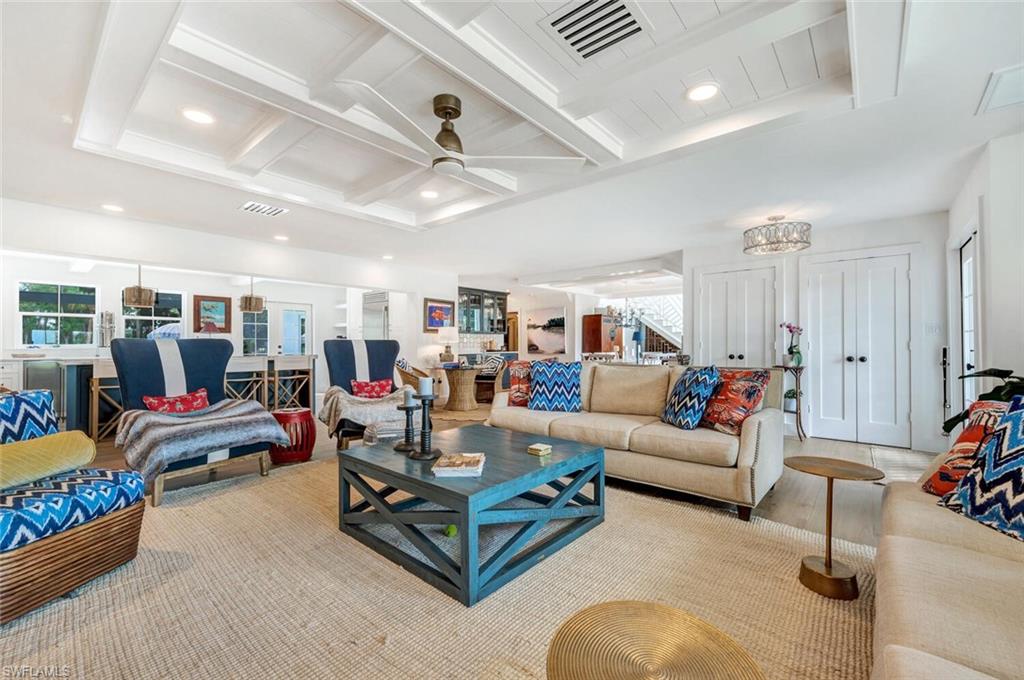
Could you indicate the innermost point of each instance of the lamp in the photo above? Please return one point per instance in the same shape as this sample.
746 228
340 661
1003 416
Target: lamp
137 296
251 302
777 237
448 336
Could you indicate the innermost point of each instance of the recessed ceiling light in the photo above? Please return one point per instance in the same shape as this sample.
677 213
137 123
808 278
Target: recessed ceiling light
387 257
200 117
112 208
428 194
702 91
280 237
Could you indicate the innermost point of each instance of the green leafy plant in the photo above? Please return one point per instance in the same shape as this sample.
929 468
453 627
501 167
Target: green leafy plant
791 393
1011 386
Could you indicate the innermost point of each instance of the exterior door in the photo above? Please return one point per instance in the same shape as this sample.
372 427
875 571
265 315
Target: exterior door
831 348
969 318
290 327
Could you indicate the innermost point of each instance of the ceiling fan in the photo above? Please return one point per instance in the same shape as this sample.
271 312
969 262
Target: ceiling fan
446 148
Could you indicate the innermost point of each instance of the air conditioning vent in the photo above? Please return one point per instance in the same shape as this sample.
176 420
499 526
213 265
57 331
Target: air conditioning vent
262 209
590 27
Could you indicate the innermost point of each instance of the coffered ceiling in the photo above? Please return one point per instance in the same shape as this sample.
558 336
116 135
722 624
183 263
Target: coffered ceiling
329 104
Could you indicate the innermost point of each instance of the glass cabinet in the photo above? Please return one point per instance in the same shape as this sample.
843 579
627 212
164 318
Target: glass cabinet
482 311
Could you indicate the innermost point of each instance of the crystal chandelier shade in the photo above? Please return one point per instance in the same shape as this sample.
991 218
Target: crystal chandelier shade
777 237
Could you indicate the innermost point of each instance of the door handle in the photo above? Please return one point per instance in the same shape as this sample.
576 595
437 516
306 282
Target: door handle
732 356
970 367
739 356
862 359
850 359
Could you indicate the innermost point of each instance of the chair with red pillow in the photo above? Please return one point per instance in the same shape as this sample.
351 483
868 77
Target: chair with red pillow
169 374
363 362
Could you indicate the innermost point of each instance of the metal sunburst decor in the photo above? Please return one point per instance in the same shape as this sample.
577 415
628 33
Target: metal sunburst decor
777 237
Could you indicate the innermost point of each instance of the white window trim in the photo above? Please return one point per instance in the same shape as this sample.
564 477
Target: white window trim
20 344
185 301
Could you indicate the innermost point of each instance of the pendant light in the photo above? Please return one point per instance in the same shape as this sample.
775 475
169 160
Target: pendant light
137 296
777 237
252 302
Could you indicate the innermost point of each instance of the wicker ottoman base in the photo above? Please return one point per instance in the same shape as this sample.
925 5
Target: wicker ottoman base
34 574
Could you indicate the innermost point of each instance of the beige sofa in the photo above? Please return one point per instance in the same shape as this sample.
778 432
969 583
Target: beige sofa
622 408
950 594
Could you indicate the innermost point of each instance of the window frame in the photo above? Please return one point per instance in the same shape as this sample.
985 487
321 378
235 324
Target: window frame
183 318
266 310
59 314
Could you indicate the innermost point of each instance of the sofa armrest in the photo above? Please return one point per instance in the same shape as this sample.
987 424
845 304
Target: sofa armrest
761 453
500 399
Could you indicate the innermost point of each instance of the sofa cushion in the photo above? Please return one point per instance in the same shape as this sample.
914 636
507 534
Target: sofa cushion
33 511
586 383
696 446
519 383
738 395
992 492
962 605
555 387
689 397
600 429
981 420
632 390
908 511
32 459
903 663
521 419
26 415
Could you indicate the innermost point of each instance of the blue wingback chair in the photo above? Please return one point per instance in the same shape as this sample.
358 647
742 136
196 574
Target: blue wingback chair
349 360
161 368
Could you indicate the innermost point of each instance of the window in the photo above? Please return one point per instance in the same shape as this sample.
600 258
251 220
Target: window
54 314
162 320
255 327
293 335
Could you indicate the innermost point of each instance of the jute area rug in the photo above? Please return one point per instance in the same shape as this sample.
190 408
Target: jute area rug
250 578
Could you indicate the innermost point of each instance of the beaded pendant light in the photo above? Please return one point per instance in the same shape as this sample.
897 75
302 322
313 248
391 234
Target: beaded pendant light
777 237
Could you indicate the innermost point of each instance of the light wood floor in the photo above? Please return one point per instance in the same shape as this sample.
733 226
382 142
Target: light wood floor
798 499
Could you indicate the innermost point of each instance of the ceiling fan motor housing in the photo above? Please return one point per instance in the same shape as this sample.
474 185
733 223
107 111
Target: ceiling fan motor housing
448 107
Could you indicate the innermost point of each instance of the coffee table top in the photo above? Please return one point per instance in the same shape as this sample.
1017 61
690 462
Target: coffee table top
836 468
507 462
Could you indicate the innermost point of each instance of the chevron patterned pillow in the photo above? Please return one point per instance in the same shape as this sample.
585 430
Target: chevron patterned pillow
555 386
690 397
992 493
26 415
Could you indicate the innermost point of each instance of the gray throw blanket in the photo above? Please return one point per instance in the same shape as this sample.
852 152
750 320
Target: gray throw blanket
151 441
340 404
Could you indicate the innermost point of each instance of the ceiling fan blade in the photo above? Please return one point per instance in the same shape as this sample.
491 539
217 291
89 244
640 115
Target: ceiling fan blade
379 106
545 164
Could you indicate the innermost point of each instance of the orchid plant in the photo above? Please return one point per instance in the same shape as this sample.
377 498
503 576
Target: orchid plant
794 333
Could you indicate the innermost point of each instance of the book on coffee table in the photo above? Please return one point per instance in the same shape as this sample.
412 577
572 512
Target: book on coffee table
459 465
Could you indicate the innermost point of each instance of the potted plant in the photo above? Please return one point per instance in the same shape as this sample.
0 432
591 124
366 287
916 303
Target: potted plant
1011 386
793 357
789 399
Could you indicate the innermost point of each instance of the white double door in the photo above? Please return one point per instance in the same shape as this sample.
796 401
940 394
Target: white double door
738 318
858 346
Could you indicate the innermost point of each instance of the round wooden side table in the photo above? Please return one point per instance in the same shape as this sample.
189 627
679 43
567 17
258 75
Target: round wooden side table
461 389
626 640
826 576
301 429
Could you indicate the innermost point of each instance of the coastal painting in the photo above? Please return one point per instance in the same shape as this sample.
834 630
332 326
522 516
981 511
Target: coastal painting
211 314
437 314
545 331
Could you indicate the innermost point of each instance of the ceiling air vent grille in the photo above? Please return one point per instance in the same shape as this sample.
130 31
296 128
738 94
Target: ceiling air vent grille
262 209
590 27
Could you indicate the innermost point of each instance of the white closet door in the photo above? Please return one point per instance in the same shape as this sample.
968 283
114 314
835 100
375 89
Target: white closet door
717 318
753 340
883 351
832 342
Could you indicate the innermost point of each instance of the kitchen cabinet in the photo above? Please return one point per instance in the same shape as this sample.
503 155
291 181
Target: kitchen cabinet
482 311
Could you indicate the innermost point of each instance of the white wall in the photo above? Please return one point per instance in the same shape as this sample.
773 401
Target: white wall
33 227
928 233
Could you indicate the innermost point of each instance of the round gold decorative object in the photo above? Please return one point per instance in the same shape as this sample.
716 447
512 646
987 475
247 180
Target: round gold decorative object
644 640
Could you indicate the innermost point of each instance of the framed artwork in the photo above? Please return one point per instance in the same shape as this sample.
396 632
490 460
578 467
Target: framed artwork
545 331
211 314
438 314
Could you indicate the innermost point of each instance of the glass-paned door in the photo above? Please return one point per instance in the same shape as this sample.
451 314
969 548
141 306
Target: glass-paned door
969 317
290 327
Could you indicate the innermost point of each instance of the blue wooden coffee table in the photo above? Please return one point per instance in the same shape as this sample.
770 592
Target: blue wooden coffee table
521 510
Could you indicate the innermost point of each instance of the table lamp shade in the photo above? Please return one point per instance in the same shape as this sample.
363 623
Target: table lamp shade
449 335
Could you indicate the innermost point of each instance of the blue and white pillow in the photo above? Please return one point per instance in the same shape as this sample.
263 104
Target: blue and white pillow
491 365
26 415
690 396
403 364
992 492
555 386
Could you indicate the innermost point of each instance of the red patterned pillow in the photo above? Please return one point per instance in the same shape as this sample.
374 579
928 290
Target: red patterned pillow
371 389
981 420
186 403
738 394
519 383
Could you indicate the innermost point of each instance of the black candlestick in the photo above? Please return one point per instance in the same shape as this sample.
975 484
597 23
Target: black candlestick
426 451
409 444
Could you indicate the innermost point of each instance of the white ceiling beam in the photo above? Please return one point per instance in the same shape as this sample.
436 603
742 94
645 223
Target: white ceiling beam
502 134
612 271
374 57
760 23
878 32
267 142
457 13
436 40
377 186
132 36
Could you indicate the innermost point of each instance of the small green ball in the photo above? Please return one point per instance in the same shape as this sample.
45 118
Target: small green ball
451 530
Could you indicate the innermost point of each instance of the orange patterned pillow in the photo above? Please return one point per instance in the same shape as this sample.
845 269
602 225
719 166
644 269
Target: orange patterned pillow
981 420
519 383
738 394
